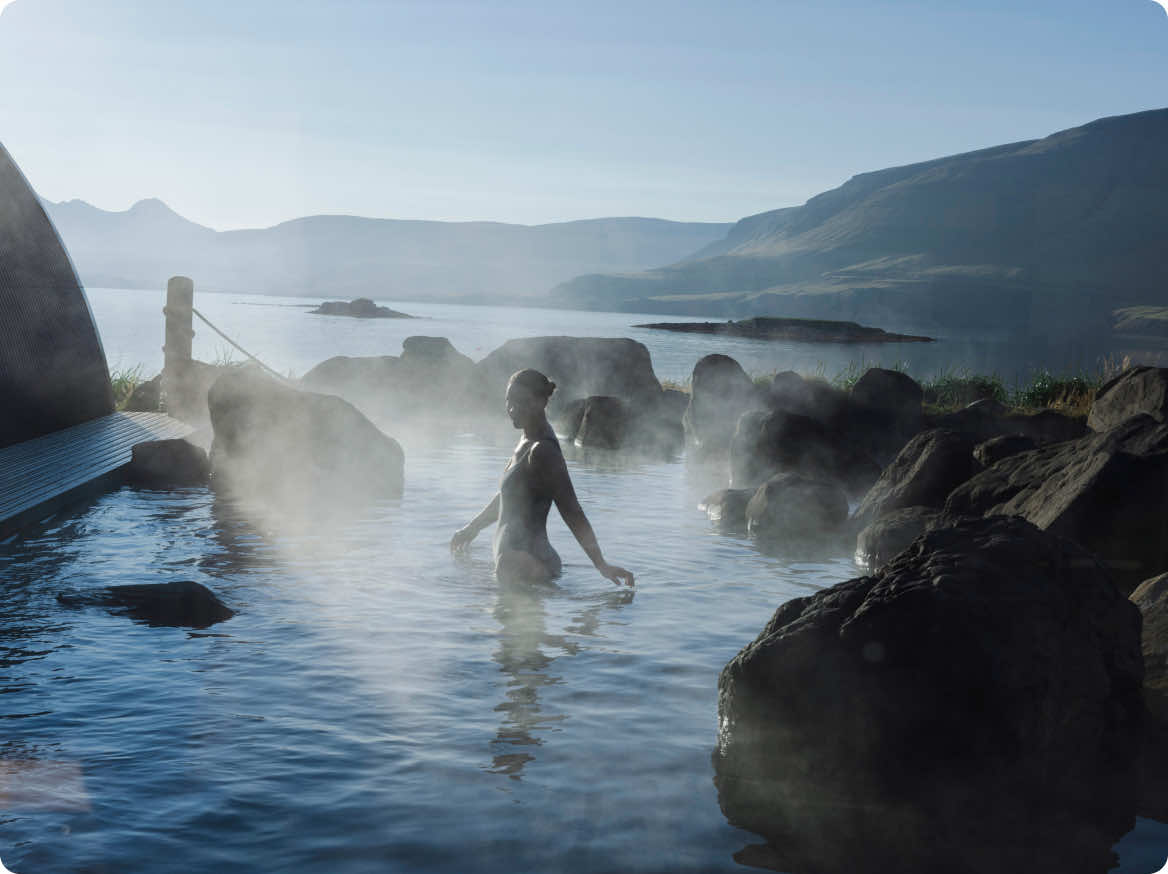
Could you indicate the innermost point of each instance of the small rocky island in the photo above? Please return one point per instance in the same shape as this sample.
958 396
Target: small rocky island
361 308
799 330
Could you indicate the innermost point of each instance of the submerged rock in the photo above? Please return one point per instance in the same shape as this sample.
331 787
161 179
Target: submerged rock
789 509
167 464
297 446
727 508
891 534
182 603
968 703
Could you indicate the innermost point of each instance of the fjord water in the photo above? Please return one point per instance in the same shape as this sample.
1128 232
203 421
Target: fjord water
378 704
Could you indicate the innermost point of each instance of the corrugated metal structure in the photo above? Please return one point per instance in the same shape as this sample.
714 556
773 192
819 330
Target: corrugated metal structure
53 371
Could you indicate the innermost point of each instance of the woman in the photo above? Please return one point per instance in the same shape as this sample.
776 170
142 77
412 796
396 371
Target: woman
535 476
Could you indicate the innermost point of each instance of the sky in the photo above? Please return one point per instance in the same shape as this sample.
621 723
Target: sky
252 112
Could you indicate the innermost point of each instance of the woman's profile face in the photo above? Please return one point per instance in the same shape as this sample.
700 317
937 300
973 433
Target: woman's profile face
521 404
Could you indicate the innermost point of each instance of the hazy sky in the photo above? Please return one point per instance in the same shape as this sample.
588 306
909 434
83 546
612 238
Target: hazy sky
250 112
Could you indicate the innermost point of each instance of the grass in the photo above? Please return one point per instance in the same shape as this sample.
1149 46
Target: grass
124 380
951 390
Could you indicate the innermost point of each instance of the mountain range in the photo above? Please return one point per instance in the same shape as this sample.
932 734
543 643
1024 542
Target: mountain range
346 257
1042 238
1038 238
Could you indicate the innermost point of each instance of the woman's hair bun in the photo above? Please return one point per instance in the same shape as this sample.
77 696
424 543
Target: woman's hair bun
534 381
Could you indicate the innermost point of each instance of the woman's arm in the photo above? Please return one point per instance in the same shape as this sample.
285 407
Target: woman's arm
489 514
550 463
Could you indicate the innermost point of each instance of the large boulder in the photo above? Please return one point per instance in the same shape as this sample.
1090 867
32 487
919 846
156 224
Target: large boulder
580 367
1151 597
720 392
885 412
923 474
1141 390
146 397
990 452
814 398
971 707
296 446
1108 492
167 464
789 510
986 419
431 379
769 442
182 603
610 423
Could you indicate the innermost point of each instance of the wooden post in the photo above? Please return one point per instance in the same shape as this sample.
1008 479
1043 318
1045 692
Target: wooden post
176 351
180 301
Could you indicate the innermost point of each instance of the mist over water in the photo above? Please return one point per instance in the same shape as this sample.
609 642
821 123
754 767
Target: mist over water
377 703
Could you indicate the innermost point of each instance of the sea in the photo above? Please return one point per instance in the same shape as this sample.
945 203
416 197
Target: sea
379 704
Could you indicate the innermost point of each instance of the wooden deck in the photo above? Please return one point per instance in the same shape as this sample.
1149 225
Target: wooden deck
40 476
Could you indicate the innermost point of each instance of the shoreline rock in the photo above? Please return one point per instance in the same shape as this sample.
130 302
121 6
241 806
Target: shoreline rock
791 330
360 308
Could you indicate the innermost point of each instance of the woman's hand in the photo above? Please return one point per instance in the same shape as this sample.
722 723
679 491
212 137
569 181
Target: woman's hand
462 538
617 574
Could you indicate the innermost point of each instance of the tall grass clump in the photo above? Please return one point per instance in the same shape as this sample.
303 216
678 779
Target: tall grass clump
1072 393
124 380
961 388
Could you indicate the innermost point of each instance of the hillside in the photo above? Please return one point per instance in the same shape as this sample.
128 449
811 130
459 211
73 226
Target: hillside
348 256
1038 238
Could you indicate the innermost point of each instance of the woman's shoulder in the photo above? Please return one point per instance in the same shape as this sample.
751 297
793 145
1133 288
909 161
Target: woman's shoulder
546 450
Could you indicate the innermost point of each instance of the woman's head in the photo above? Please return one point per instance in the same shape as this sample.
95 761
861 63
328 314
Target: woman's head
527 394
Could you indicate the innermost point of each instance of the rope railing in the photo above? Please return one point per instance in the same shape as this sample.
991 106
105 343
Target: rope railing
212 326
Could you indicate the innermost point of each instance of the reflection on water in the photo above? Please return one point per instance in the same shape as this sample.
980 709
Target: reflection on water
521 655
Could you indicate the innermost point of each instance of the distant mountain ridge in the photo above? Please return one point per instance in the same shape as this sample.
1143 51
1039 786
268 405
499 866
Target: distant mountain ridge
1043 237
349 256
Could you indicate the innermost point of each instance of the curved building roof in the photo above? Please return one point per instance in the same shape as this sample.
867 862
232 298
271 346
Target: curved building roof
53 371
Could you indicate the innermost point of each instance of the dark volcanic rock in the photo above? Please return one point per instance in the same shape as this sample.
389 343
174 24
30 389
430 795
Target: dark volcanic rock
727 508
797 330
1135 391
431 379
793 509
992 451
809 397
891 534
298 446
1108 492
951 713
183 603
986 419
580 367
146 397
766 443
885 412
604 423
361 308
1151 596
923 474
167 463
720 392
